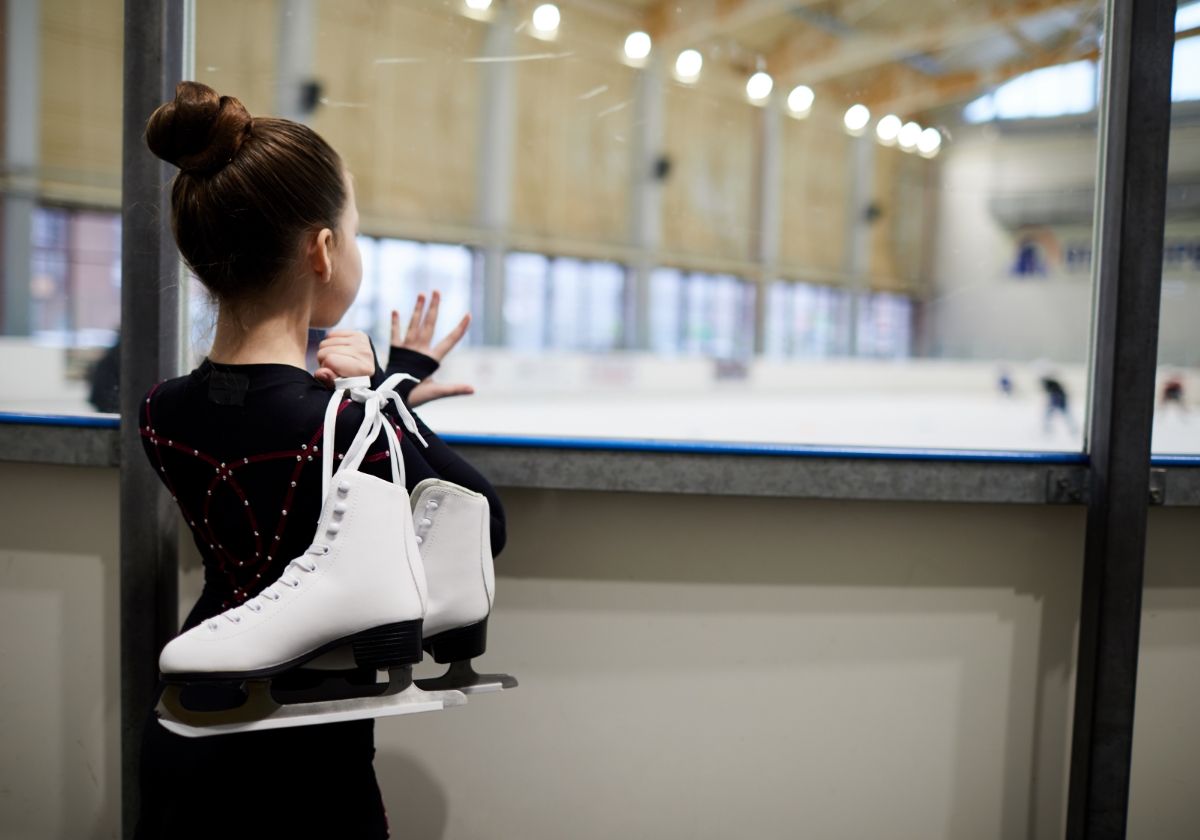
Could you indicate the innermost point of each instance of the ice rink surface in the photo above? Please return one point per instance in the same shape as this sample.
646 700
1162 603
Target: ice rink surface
942 404
916 420
921 404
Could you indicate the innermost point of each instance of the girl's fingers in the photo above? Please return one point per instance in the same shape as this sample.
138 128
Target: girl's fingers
341 342
428 391
359 350
414 323
346 338
344 365
427 328
452 338
397 338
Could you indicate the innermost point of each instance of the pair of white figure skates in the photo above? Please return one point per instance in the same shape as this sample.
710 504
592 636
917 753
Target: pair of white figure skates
383 579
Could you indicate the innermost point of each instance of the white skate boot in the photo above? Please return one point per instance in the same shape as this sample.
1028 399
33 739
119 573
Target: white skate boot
361 583
453 533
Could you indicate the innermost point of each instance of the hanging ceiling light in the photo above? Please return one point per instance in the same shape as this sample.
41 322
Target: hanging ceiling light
479 5
800 101
758 88
637 45
909 135
856 119
546 18
888 129
929 142
687 66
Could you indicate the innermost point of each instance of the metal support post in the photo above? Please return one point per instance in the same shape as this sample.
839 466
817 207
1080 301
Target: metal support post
1131 208
650 169
154 64
770 210
297 93
857 257
493 191
22 118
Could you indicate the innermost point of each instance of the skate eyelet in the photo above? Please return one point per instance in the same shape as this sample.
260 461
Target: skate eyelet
212 625
255 607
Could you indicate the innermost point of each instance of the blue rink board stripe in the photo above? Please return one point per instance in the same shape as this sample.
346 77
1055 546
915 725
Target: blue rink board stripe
112 421
81 421
788 449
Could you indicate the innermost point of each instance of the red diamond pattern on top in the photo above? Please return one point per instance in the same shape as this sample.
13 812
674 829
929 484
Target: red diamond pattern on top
225 473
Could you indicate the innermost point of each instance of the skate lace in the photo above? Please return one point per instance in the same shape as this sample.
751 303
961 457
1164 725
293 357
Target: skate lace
256 604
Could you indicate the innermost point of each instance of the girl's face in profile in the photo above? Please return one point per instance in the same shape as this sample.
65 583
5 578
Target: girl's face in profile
335 299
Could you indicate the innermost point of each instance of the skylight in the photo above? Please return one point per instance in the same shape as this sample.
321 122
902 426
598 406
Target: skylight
1187 17
1185 78
1048 92
1072 88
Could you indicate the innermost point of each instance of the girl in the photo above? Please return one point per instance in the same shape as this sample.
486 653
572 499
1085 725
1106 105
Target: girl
263 212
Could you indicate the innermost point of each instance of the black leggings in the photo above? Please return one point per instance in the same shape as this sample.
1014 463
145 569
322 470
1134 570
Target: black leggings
308 781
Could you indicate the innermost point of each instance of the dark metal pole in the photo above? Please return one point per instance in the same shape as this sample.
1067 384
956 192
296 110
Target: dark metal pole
150 298
1134 141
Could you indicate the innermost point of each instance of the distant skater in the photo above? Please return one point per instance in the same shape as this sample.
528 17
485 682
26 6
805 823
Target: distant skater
1172 394
1005 383
1056 403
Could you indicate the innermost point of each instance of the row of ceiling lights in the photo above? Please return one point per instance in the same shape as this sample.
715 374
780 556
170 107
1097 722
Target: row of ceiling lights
890 130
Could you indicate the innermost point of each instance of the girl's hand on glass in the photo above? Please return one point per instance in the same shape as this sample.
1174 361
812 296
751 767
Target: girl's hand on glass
344 353
429 390
419 335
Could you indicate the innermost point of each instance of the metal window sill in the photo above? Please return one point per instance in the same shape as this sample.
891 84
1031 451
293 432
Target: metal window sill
695 468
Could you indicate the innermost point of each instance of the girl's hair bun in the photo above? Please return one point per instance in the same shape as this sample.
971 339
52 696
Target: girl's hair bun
198 131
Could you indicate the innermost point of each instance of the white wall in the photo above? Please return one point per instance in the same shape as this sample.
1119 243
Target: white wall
979 309
690 667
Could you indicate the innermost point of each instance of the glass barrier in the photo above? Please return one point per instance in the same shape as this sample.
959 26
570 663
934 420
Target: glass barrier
1176 419
832 224
61 236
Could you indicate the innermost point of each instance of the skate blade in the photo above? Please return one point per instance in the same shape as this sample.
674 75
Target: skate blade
261 711
462 677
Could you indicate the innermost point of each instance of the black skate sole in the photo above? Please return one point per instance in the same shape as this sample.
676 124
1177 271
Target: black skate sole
458 643
386 646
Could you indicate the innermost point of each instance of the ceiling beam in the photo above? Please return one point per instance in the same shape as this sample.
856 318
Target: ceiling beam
905 92
898 89
813 55
687 23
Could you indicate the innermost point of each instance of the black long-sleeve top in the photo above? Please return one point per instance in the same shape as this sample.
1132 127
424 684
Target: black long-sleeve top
238 446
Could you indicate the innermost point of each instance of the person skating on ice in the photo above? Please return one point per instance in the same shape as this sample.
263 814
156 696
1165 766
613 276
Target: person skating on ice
1173 395
1056 403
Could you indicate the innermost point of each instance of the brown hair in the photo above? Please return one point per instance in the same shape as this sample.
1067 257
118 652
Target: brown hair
248 189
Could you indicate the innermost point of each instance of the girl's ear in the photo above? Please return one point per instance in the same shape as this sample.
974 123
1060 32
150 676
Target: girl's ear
321 255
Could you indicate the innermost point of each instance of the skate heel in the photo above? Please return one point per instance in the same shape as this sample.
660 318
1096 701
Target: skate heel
459 643
389 646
